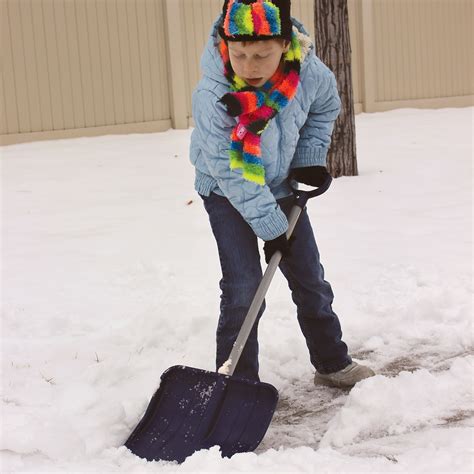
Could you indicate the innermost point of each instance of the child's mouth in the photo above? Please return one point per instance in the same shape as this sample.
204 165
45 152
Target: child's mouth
253 82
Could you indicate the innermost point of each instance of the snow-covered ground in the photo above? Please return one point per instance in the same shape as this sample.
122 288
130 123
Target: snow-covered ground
110 276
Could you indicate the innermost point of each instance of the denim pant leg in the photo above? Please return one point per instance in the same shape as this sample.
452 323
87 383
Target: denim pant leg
313 297
241 275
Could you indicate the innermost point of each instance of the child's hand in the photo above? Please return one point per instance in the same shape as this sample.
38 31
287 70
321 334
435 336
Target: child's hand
281 243
311 175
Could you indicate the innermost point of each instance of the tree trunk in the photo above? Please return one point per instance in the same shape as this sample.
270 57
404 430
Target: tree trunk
333 46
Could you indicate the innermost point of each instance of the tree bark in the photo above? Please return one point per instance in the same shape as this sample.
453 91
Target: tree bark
333 46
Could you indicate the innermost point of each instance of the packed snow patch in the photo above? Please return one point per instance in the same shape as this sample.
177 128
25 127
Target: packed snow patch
383 406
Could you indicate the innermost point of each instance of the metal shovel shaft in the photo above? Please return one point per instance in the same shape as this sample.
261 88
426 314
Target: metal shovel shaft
229 366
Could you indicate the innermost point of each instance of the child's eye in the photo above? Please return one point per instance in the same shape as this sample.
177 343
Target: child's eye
261 57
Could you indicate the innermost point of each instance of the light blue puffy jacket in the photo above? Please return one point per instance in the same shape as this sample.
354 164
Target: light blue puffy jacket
298 136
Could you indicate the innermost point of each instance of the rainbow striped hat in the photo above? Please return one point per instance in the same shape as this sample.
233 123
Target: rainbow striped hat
253 20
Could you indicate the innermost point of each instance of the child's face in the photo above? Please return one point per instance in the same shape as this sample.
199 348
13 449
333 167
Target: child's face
256 61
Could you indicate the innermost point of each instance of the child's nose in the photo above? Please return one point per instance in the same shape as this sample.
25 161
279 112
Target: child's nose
250 68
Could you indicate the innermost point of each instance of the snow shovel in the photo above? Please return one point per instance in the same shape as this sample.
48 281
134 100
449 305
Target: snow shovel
196 409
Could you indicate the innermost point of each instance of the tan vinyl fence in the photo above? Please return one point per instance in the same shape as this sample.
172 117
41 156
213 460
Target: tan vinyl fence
92 67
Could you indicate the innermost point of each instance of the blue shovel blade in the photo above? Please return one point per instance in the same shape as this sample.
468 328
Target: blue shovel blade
195 409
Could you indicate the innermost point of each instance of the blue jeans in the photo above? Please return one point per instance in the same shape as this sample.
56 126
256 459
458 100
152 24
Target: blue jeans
241 275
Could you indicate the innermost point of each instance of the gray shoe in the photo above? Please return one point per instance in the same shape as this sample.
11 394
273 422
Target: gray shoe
345 378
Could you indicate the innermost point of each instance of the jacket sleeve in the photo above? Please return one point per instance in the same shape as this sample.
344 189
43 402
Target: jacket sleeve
254 202
315 135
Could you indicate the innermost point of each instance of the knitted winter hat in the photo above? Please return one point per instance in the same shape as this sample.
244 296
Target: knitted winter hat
253 20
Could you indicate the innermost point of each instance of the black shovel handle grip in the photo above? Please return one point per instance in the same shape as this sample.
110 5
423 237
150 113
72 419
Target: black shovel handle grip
302 197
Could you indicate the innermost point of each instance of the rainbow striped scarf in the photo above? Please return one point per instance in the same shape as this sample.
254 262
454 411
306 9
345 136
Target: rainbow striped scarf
256 107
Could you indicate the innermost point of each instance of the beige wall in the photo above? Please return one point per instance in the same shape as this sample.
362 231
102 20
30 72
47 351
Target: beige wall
89 67
421 53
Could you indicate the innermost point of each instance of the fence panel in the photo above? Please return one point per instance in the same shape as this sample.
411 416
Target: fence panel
422 53
83 67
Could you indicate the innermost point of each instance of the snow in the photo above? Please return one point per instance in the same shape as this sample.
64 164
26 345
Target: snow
110 276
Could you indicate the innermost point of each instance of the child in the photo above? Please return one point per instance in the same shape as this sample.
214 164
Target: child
264 111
